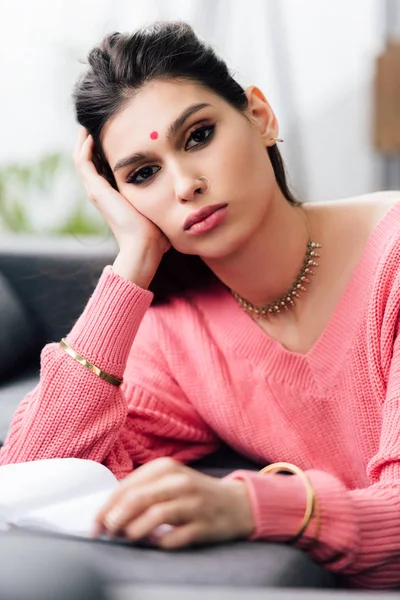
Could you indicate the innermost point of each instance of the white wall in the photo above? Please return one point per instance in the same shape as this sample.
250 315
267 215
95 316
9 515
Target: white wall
314 60
332 47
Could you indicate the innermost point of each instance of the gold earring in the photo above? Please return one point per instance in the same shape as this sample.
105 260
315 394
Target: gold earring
277 139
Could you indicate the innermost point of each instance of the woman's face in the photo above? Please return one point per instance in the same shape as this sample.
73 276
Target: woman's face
215 141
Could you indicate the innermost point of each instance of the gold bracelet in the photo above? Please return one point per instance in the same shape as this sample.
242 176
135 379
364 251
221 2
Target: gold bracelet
315 537
113 380
311 498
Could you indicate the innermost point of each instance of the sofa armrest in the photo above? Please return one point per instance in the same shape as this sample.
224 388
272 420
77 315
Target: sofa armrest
18 335
53 277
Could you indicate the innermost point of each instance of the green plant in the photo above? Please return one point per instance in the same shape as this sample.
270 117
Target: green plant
78 223
20 184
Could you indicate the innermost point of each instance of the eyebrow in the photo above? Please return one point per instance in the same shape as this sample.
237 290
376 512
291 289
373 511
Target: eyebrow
172 131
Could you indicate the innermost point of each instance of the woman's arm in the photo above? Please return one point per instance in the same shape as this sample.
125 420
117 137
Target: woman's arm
360 528
74 413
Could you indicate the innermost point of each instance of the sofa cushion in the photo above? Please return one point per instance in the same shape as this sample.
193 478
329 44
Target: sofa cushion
11 394
17 334
241 563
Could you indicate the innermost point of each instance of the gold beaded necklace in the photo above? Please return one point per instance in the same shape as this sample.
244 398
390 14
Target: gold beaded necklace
288 299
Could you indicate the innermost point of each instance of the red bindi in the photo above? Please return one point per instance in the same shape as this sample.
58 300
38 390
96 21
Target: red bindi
154 135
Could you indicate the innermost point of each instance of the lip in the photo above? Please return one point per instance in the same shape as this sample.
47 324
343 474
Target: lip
201 214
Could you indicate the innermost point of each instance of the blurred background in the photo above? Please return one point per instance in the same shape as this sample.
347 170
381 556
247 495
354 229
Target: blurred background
331 71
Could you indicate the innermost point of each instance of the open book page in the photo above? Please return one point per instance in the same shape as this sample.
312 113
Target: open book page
6 516
42 485
74 516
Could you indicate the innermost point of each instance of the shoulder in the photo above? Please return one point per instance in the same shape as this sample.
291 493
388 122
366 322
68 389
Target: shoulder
360 232
371 208
353 222
372 226
365 209
375 219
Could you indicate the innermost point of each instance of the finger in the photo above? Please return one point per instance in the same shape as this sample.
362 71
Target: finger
85 156
127 504
153 470
176 512
93 181
133 503
82 135
83 149
147 473
180 537
86 148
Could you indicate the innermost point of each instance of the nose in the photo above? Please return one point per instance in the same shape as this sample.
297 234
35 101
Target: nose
186 187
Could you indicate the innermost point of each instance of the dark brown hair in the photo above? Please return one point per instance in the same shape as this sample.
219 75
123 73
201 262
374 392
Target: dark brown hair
118 68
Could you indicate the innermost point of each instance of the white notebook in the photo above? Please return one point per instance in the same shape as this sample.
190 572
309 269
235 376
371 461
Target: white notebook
60 495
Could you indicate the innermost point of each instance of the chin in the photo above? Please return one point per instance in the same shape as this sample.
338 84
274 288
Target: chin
223 246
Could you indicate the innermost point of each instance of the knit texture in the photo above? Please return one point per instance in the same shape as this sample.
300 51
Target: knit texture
199 370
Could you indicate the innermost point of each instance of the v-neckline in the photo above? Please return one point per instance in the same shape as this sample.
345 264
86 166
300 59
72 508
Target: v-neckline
267 354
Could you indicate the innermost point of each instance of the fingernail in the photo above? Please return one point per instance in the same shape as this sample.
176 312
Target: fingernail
160 530
114 519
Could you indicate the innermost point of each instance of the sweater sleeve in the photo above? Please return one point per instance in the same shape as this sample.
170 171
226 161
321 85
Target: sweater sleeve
74 413
360 528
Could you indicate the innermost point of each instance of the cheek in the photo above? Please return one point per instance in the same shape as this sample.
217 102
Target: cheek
245 166
256 166
239 154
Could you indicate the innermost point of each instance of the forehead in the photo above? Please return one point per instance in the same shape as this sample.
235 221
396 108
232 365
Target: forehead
153 108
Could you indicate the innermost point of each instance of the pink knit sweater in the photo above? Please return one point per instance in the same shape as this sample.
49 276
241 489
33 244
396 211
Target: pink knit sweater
199 369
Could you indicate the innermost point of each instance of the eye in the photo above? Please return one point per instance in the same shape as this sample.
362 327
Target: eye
200 136
145 173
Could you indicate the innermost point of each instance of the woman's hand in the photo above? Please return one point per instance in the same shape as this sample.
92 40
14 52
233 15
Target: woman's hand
131 229
198 507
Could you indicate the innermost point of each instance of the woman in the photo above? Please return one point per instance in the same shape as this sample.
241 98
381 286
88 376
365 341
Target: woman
273 327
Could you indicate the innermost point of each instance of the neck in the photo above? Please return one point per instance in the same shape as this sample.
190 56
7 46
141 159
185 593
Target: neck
265 266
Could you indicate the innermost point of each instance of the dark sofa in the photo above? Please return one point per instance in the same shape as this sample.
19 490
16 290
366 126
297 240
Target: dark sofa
44 286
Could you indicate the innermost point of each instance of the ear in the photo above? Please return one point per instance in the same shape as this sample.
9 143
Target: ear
262 115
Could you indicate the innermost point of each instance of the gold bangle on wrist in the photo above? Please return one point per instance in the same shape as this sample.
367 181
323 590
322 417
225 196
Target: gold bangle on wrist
82 360
315 537
311 503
